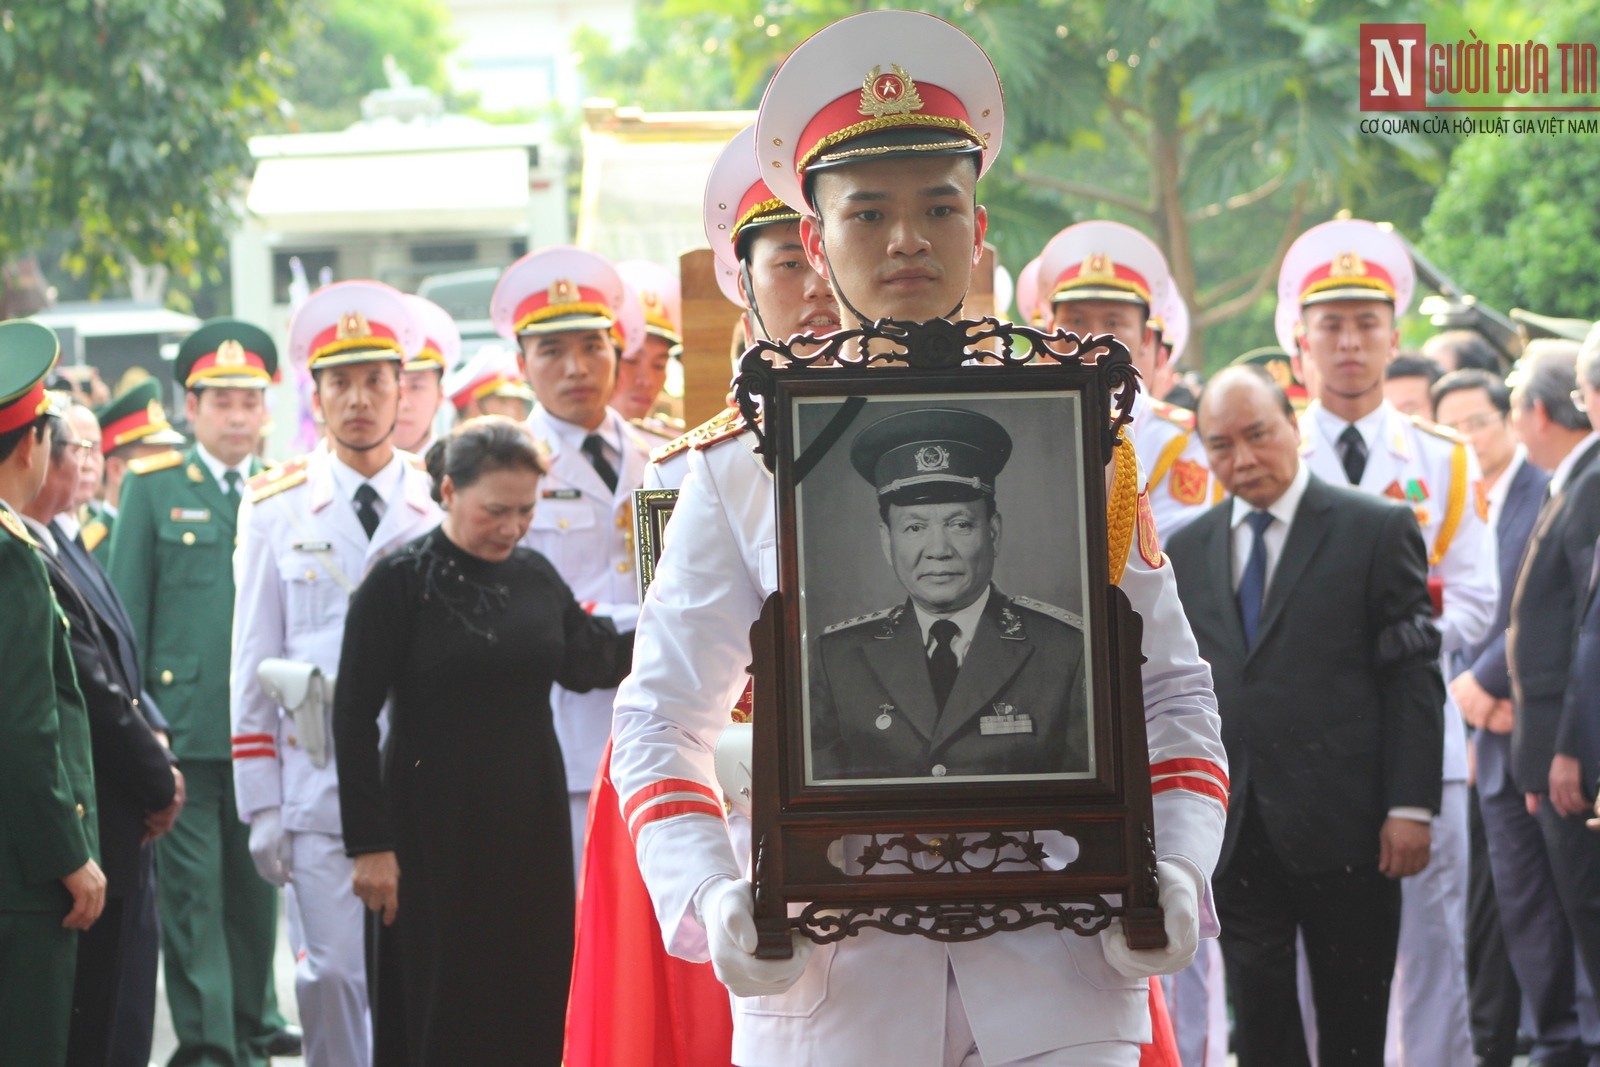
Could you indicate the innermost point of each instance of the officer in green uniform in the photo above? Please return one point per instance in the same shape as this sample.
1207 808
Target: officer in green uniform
133 428
51 886
172 560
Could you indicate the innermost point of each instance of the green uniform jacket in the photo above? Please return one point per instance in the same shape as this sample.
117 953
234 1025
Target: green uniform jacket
172 561
48 819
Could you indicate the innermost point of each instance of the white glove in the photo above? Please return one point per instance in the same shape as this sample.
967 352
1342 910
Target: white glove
1180 901
727 910
269 847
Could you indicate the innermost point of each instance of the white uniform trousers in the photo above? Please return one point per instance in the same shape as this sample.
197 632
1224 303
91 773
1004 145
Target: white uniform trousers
1428 1025
961 1048
330 975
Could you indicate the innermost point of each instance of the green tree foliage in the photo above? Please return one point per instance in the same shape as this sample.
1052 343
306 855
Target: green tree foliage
338 50
124 122
1518 220
1222 128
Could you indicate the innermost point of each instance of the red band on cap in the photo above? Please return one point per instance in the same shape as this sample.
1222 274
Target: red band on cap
240 363
328 341
1338 275
843 120
24 409
582 301
1115 276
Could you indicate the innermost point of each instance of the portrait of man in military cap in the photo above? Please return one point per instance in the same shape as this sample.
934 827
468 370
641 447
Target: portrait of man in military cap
948 672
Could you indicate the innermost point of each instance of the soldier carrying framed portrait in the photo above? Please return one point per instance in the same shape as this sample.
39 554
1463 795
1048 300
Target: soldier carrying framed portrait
950 735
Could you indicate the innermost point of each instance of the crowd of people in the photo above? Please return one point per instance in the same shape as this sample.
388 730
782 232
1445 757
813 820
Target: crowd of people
406 687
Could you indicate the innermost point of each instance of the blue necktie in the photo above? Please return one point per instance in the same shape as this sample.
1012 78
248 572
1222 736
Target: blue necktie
1253 582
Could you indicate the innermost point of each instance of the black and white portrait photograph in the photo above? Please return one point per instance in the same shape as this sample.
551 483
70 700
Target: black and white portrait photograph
942 571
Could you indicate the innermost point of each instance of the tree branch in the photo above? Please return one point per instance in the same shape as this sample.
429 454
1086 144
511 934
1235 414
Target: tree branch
1269 271
1226 288
1091 192
1234 203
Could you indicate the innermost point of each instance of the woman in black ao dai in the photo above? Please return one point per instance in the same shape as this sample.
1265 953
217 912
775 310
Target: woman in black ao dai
463 834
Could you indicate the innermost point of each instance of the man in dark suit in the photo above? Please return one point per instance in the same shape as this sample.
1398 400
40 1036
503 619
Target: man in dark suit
133 1032
134 782
959 679
1547 607
1514 917
1311 603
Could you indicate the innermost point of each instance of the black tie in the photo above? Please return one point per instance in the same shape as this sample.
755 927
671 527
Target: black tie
595 447
230 484
1253 582
1355 454
942 665
366 509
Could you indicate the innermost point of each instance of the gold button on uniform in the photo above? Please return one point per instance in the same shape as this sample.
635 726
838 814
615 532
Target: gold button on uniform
188 537
166 677
81 812
562 523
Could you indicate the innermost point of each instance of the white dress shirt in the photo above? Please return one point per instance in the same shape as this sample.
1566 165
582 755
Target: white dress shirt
1369 426
1282 511
219 470
1563 471
388 482
1502 485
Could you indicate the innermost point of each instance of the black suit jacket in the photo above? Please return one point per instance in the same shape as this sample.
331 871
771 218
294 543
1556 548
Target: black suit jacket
131 771
95 585
1546 609
1331 719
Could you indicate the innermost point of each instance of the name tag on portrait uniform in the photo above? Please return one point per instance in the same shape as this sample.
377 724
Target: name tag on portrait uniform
561 494
1005 720
191 514
312 546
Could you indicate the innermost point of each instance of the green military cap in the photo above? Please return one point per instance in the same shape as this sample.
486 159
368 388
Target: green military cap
1279 367
226 354
931 455
28 353
136 418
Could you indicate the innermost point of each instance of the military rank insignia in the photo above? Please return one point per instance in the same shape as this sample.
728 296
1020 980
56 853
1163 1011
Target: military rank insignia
1149 542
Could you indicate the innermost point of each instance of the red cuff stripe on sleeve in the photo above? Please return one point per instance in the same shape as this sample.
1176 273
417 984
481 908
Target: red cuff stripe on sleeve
671 809
662 788
252 739
1203 786
255 753
1197 766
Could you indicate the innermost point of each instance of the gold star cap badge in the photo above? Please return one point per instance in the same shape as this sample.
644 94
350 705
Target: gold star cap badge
562 291
230 354
893 93
353 324
1349 265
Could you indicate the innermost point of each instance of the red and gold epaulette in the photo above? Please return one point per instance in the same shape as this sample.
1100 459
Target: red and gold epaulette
275 480
13 526
1428 426
158 462
721 426
1173 413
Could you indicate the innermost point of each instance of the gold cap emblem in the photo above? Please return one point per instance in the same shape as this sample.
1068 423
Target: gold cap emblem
153 412
353 324
1097 265
562 291
653 304
1348 265
932 458
230 353
889 94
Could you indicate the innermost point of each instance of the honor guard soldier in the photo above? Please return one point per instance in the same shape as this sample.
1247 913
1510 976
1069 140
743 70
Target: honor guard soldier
568 311
422 383
642 372
489 382
1341 291
761 266
51 886
133 428
846 121
172 561
1104 277
308 532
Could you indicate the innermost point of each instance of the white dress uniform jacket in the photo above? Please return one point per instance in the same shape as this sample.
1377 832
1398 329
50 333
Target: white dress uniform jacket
586 531
1180 484
1024 993
1436 472
301 553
